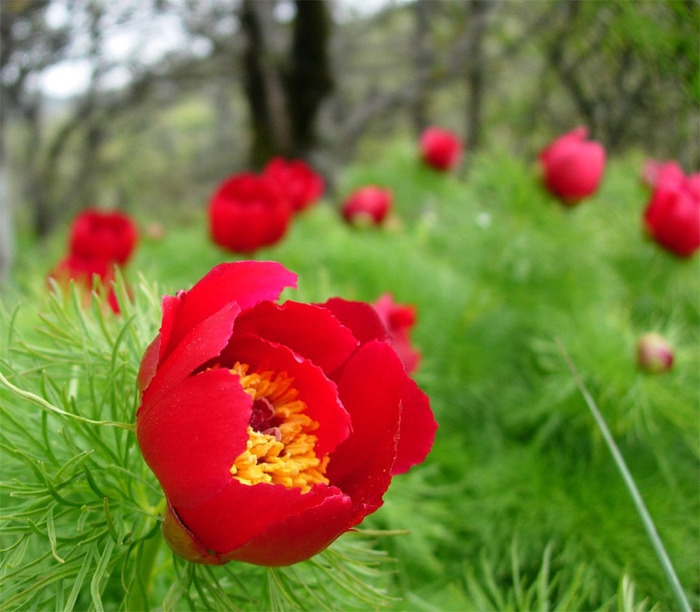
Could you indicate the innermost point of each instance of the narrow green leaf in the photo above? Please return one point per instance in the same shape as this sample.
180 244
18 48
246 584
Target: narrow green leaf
51 533
100 570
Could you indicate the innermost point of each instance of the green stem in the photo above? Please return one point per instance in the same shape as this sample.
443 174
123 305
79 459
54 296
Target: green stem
138 596
661 553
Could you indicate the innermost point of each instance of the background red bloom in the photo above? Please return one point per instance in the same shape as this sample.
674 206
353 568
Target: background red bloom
301 184
225 373
440 149
672 215
248 212
86 273
98 241
101 235
368 205
399 320
655 172
572 166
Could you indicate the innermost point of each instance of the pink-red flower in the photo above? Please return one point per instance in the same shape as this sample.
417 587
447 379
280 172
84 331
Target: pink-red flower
368 205
302 185
655 172
272 428
672 215
248 212
102 235
441 149
399 320
572 167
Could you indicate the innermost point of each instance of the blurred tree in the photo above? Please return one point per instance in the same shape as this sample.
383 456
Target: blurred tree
423 61
27 46
477 11
630 69
285 86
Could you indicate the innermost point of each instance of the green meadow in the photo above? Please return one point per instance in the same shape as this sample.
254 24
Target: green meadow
523 305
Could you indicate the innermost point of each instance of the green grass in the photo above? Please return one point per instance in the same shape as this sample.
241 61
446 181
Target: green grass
519 505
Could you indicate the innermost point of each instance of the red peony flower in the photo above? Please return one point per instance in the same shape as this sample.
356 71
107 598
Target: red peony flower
84 272
655 172
368 205
272 428
399 319
248 212
302 185
672 215
440 149
572 167
106 236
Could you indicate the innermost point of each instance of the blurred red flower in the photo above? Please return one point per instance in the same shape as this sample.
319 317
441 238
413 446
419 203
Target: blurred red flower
248 212
87 274
572 167
672 215
441 149
98 240
399 320
302 185
655 172
101 235
368 205
272 428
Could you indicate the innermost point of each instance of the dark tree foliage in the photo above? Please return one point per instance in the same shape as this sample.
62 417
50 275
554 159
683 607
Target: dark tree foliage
631 69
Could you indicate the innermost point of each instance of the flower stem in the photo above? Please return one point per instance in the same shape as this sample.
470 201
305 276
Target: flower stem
138 596
659 549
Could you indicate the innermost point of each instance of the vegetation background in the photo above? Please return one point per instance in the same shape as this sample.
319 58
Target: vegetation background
519 505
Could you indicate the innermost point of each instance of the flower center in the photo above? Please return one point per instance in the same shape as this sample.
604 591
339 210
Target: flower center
280 445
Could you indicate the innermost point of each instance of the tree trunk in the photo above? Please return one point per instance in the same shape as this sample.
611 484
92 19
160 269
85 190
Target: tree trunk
476 15
423 61
285 90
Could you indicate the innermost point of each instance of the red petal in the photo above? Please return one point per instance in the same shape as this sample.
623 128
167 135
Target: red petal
240 512
203 342
170 306
417 429
300 536
149 364
310 331
245 283
315 389
191 436
360 317
370 388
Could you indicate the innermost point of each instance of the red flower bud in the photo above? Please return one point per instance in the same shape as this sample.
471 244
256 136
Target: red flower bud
367 205
107 236
440 149
248 212
672 215
572 167
654 353
399 320
300 183
272 428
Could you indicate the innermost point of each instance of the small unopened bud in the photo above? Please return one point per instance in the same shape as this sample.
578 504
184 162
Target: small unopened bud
654 353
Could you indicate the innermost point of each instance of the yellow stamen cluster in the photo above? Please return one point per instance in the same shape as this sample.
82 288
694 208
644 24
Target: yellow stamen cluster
285 453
